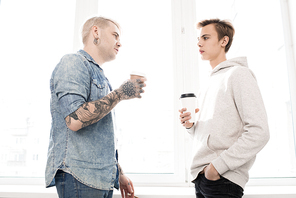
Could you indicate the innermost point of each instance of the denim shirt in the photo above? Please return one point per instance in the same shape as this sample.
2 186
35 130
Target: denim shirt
89 153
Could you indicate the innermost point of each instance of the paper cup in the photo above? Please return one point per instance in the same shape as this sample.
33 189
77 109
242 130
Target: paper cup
188 101
137 75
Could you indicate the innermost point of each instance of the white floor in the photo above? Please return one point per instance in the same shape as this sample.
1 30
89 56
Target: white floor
38 191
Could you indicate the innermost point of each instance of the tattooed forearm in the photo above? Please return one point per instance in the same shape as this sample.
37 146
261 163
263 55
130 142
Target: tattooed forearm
68 120
92 112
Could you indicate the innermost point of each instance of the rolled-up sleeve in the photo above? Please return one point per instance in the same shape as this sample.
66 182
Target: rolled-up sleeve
70 103
71 83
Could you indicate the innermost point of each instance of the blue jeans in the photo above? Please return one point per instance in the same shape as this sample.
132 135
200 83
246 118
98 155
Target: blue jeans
222 188
68 187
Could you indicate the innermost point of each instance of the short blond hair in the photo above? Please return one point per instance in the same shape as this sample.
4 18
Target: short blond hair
101 22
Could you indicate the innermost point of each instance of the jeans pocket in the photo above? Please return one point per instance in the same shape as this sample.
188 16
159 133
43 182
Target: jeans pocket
60 176
212 181
220 188
60 183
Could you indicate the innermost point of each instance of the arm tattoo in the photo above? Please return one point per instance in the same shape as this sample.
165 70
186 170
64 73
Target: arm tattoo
92 112
68 120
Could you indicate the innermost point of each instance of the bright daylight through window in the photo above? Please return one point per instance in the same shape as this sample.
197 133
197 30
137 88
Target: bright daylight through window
36 34
144 127
146 141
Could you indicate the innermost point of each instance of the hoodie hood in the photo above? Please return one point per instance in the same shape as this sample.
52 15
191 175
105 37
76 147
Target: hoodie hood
239 61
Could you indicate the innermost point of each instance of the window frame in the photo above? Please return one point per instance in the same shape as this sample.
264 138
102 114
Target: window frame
185 75
290 41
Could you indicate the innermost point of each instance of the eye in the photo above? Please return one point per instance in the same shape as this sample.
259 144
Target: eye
206 38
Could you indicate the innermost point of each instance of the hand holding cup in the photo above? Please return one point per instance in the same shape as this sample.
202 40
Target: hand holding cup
132 88
185 117
137 75
188 103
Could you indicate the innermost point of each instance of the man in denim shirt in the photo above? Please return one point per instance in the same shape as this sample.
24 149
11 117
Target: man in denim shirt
81 156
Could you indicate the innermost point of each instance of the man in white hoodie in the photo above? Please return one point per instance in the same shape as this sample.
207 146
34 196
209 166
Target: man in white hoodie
231 126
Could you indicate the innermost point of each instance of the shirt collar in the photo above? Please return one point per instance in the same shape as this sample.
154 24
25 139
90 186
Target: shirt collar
88 57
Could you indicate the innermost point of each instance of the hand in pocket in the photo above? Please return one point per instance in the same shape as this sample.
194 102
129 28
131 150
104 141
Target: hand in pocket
211 173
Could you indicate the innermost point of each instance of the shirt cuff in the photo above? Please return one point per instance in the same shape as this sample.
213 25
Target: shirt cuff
191 130
70 103
220 165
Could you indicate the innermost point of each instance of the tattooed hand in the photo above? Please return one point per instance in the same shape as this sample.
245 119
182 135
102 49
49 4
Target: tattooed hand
131 89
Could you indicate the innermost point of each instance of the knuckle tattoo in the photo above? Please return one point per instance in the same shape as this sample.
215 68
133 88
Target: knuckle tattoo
129 89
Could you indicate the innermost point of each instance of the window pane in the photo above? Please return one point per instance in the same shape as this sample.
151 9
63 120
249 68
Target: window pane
43 34
34 36
259 36
145 126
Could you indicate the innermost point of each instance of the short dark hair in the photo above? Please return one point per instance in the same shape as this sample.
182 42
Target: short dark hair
223 28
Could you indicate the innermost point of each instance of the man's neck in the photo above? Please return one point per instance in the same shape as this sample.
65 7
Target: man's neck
218 60
94 54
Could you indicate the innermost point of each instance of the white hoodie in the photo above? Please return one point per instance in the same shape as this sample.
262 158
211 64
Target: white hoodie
231 125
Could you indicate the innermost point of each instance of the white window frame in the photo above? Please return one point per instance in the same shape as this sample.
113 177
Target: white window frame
185 80
289 18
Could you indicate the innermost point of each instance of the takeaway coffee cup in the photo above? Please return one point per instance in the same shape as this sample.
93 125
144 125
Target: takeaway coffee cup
188 101
136 75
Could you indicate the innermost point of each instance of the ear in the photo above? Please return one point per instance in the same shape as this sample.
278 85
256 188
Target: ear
225 41
96 32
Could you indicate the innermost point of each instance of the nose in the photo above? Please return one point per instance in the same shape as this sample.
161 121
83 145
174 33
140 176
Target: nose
199 44
118 44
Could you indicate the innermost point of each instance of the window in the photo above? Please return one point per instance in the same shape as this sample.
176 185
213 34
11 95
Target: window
34 36
158 38
145 127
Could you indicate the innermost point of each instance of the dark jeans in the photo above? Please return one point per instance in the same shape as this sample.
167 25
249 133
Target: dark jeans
68 187
222 188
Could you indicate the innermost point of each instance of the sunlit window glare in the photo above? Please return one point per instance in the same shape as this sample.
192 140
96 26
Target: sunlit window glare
35 34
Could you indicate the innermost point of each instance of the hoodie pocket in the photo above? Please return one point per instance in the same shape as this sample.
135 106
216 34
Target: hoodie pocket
207 143
203 154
